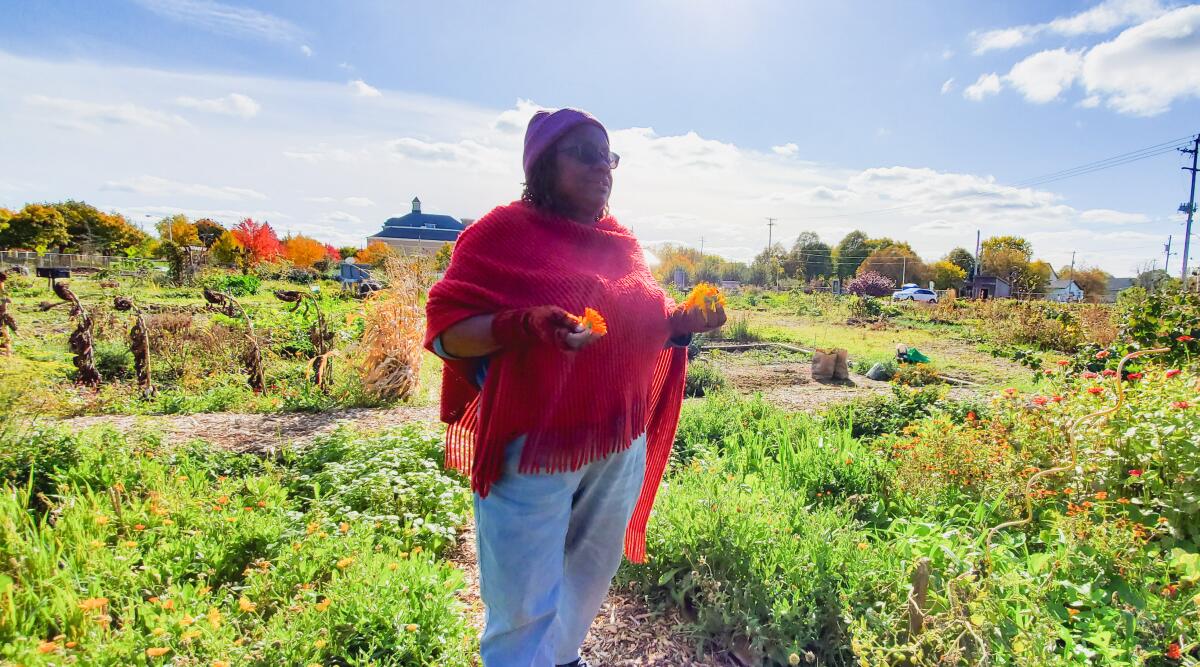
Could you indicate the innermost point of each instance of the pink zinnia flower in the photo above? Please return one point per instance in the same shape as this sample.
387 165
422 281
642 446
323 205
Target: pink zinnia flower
1134 376
1173 372
1181 405
1090 375
1057 398
1040 400
1108 372
1135 473
1063 362
1095 390
1185 339
1102 354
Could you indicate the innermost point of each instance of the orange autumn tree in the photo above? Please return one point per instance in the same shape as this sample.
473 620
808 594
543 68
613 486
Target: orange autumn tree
374 253
259 240
303 251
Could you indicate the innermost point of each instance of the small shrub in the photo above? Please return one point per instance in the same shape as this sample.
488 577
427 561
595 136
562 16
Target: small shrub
114 361
236 284
916 375
870 283
738 330
703 378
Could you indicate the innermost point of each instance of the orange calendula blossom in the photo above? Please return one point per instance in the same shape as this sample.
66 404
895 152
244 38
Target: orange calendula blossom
592 320
704 297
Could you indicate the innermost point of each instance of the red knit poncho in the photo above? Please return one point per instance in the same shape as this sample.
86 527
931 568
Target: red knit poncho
573 407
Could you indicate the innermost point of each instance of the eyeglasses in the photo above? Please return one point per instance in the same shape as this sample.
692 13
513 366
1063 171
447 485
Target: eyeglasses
591 155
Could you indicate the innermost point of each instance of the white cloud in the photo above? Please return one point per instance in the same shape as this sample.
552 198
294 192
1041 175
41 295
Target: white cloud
1146 68
986 84
1107 16
84 115
463 160
947 54
224 19
1001 39
155 186
786 150
363 89
1043 76
306 50
948 85
1108 216
1090 102
1104 17
233 104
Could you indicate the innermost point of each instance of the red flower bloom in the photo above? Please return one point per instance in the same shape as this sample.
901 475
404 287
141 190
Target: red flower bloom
1102 354
1181 405
1173 652
1133 376
971 416
1095 390
1088 375
1185 339
1108 372
1173 372
1057 398
1063 362
1040 400
1135 473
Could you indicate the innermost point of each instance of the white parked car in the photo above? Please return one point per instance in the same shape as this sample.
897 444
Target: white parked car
914 293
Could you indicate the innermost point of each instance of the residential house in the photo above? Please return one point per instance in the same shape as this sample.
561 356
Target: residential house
987 287
1063 291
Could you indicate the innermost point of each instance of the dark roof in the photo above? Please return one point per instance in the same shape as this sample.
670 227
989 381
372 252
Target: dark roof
420 233
423 220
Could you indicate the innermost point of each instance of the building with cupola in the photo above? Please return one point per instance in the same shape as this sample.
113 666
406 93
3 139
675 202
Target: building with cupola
419 231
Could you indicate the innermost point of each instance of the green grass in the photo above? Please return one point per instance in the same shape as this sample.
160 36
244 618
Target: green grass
128 547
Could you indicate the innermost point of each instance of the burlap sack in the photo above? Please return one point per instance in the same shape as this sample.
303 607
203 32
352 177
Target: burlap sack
841 366
823 364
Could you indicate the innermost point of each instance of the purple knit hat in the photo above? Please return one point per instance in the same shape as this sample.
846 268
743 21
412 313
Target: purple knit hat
546 127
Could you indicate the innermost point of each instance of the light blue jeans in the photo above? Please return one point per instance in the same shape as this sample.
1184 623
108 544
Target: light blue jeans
549 545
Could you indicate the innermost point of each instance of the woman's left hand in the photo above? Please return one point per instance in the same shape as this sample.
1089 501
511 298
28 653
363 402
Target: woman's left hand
686 321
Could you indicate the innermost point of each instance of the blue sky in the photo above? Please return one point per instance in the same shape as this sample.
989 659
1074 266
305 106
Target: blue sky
327 119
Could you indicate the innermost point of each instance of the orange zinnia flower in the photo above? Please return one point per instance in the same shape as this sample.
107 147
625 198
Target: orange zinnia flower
156 652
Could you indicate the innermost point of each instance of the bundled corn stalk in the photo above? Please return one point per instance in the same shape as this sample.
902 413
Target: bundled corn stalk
7 322
252 357
80 342
395 323
139 343
319 335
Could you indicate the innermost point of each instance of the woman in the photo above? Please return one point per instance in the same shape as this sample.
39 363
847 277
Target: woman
562 429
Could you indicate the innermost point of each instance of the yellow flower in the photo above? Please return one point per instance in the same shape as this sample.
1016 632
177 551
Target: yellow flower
412 627
417 550
323 604
320 643
47 647
246 605
343 527
96 544
158 632
186 621
168 605
204 590
157 651
182 478
168 522
393 566
220 663
189 635
793 659
101 520
230 519
345 563
129 543
704 297
311 528
214 617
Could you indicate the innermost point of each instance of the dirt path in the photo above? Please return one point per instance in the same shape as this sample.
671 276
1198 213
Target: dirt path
247 432
626 633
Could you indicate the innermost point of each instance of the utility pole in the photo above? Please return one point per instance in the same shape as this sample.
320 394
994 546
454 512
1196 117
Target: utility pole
903 273
1191 208
1071 275
701 247
975 266
1167 263
770 229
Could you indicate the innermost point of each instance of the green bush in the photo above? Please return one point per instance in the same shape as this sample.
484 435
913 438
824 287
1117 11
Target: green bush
916 375
703 378
113 360
236 284
30 453
737 330
889 413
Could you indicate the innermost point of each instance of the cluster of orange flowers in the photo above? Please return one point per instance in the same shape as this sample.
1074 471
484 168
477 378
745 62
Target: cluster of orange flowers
704 297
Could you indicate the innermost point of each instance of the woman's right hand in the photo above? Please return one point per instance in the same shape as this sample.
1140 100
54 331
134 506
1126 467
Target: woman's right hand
540 325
